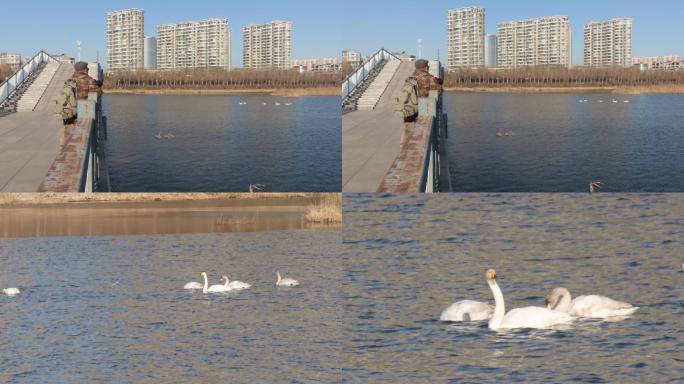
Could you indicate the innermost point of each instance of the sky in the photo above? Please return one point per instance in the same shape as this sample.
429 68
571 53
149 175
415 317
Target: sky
323 28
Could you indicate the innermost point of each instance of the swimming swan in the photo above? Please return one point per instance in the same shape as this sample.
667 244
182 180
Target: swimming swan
11 291
235 285
193 285
286 282
218 288
592 306
526 317
467 310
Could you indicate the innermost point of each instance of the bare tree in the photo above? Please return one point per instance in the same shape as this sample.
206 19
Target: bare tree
5 72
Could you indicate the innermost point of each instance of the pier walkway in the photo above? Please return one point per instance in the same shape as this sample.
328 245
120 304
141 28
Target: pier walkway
370 138
37 154
30 138
372 158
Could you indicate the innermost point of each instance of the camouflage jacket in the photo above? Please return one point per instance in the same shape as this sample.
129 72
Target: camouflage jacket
84 85
426 83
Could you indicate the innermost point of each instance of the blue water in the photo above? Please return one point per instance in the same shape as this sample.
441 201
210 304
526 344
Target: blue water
559 144
409 257
113 309
222 146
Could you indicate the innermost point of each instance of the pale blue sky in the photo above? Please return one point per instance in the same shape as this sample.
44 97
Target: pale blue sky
325 28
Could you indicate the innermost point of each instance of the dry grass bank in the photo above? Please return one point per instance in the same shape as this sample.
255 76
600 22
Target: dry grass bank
327 211
8 199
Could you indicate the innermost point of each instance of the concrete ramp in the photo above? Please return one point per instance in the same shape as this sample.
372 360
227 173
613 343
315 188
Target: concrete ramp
370 139
30 98
372 95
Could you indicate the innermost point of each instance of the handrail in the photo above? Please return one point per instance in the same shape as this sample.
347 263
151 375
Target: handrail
13 82
355 78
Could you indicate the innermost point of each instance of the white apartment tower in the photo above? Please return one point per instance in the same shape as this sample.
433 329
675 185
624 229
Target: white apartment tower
542 41
194 44
267 46
608 43
125 40
466 37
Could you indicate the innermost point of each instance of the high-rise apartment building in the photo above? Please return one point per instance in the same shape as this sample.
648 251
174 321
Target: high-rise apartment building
150 53
490 51
608 43
125 40
267 46
542 41
466 38
194 44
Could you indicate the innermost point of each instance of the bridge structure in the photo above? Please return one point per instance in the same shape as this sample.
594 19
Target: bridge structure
373 157
37 152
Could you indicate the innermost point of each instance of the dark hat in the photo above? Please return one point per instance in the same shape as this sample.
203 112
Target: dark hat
421 63
81 65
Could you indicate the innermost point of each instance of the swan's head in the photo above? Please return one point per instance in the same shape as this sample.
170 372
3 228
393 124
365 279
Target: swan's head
204 274
554 298
491 274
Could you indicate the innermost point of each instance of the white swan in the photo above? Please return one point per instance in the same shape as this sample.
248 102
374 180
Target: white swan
235 285
526 317
218 288
286 281
467 310
592 306
193 285
11 291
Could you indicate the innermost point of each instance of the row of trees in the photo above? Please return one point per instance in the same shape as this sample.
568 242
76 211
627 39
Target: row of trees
561 77
221 79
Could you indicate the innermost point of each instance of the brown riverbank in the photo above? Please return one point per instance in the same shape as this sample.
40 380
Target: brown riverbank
280 92
630 90
32 215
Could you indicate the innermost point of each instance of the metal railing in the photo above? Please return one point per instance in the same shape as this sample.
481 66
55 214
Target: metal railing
355 78
13 82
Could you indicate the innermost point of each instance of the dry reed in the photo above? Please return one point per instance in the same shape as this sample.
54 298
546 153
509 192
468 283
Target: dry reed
327 211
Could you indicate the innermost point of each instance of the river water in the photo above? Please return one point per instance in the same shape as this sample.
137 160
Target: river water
558 144
220 145
113 309
408 258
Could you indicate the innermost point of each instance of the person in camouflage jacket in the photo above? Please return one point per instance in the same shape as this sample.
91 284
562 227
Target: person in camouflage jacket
84 83
426 82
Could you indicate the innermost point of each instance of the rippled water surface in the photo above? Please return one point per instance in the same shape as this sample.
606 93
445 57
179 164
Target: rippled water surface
113 309
558 144
409 257
220 145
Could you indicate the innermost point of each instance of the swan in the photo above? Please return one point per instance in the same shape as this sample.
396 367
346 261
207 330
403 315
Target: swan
218 288
158 136
235 285
285 282
592 306
193 285
11 291
526 317
277 104
467 310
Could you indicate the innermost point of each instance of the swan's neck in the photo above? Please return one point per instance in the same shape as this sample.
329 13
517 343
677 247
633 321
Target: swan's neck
206 284
279 279
499 305
227 281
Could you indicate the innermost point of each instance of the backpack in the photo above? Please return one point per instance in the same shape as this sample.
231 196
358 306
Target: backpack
66 105
407 102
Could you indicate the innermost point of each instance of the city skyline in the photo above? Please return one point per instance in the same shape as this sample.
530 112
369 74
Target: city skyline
323 30
313 35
